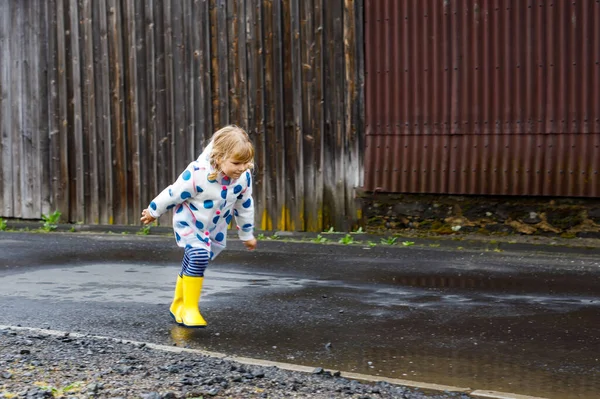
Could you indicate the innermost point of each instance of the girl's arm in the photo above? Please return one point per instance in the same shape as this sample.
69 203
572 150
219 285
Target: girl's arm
243 211
184 187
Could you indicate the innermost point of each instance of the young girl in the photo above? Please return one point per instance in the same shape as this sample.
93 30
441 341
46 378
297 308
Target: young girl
209 192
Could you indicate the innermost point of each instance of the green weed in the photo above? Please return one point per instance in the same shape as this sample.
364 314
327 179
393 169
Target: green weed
348 239
320 239
144 231
50 222
389 240
2 224
408 243
59 392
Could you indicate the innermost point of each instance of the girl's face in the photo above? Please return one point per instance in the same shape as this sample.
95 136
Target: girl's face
233 168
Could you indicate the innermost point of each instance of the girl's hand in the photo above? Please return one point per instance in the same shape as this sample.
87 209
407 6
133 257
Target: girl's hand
147 218
251 244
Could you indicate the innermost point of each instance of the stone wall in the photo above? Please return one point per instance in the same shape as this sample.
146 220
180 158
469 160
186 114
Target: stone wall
437 214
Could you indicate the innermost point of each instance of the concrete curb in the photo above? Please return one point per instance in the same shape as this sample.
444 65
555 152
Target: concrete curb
283 366
558 246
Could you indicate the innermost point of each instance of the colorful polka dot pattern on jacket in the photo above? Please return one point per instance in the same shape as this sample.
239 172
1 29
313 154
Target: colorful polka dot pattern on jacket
204 208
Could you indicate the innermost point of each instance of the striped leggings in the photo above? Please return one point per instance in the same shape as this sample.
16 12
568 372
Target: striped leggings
194 262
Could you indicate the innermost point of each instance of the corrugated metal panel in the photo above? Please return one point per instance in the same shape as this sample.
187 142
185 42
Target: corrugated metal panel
483 97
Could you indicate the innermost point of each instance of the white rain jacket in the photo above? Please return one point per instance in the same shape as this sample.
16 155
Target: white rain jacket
202 209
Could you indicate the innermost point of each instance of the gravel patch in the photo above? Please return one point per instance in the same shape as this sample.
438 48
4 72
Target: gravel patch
35 365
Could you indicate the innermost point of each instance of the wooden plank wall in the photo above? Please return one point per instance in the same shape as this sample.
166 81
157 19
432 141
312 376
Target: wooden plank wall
103 102
24 136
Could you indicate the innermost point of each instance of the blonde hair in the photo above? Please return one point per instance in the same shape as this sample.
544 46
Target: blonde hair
230 142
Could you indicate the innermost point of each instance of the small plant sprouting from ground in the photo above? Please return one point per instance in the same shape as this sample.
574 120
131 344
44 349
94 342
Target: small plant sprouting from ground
359 231
60 392
346 240
2 224
50 222
408 243
320 239
389 240
372 244
261 236
330 231
144 231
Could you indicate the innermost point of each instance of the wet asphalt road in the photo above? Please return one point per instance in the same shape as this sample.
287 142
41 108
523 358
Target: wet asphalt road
520 322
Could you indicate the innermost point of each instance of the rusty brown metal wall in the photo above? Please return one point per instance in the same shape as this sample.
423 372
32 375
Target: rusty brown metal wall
483 97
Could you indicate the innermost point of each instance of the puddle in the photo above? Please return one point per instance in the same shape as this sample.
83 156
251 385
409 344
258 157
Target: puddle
133 283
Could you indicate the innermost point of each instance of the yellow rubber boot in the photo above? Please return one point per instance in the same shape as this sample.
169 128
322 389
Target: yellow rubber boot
190 315
177 303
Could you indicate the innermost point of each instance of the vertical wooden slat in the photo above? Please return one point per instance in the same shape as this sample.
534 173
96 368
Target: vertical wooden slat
30 133
242 72
198 80
352 165
359 111
251 68
53 104
339 211
92 199
6 173
233 59
293 113
132 123
171 126
60 155
151 174
39 128
103 113
206 118
116 67
16 96
76 145
44 112
329 165
256 109
214 61
263 177
188 52
196 76
317 121
270 144
286 221
143 101
164 86
181 150
307 69
222 71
